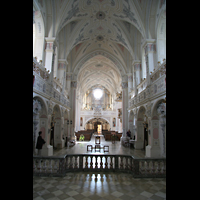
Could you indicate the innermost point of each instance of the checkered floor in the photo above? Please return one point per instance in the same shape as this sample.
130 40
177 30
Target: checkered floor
98 186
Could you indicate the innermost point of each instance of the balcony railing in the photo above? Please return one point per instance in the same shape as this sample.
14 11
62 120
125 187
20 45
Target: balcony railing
157 86
59 166
42 84
161 70
40 70
142 86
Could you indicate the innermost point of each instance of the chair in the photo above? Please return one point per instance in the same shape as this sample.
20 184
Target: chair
89 147
97 147
104 148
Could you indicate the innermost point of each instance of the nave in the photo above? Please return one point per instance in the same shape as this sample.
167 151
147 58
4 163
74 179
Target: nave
116 148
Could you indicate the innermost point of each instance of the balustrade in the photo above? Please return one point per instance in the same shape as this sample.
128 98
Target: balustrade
142 86
59 166
161 70
40 70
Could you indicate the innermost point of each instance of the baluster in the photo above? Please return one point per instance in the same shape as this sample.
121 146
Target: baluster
126 164
164 167
86 162
50 166
76 163
159 169
101 163
44 166
153 169
34 166
70 162
147 167
91 163
55 166
67 163
129 164
142 167
61 165
96 163
106 162
39 166
132 165
111 163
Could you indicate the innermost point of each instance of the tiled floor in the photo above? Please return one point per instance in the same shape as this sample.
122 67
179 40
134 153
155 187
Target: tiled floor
117 148
98 186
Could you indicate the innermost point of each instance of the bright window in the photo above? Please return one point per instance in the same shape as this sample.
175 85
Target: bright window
97 93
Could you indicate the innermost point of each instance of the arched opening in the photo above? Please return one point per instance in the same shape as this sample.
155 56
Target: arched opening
142 131
161 37
131 120
65 134
159 128
39 121
38 36
56 134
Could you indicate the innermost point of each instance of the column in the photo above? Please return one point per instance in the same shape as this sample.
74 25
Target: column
124 106
74 109
163 135
77 115
61 72
116 117
68 82
49 53
150 58
130 82
137 71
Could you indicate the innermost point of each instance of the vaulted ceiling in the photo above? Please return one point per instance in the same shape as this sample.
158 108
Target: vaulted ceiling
113 29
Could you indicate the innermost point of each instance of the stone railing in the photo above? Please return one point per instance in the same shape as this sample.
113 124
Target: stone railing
40 70
57 85
138 167
43 85
157 87
161 70
142 86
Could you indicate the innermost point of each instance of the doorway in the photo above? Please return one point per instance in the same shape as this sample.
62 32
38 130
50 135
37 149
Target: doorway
52 135
99 129
145 138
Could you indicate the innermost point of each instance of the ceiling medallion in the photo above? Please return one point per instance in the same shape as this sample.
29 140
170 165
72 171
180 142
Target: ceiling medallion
99 65
100 15
99 38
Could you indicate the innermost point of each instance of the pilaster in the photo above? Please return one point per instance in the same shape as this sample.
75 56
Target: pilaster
150 57
124 106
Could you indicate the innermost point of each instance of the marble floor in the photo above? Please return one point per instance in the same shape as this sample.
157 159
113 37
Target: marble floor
116 148
98 186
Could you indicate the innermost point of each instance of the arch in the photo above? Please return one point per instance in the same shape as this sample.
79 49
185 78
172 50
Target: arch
161 36
39 33
44 106
119 66
39 119
93 118
131 122
57 110
58 132
158 128
154 107
140 114
141 133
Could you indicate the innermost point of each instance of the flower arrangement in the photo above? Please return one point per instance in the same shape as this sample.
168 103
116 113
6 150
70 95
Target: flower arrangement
82 137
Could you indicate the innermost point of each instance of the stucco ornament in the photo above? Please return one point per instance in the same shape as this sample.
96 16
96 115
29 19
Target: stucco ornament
36 106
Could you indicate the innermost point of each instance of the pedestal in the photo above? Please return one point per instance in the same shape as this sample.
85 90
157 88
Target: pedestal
47 150
152 152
